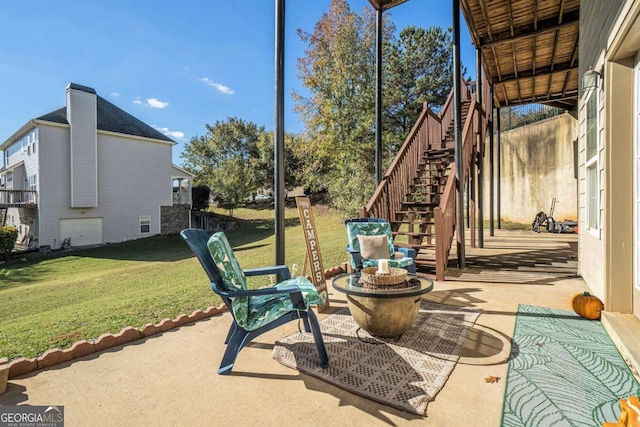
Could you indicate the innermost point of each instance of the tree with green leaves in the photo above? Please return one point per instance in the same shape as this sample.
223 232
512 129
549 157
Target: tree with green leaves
338 111
337 148
264 164
224 160
418 68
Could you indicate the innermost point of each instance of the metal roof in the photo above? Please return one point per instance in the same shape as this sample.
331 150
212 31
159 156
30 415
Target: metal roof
529 49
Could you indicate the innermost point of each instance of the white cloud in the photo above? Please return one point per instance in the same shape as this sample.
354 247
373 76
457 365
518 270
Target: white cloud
115 95
172 133
151 102
220 87
155 103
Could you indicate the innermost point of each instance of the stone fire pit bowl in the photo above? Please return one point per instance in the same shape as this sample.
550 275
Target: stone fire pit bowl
386 308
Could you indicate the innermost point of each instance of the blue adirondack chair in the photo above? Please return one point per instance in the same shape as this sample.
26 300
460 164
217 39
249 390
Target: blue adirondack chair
376 227
254 311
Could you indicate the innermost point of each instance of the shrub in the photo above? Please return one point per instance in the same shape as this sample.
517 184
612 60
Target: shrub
200 197
8 237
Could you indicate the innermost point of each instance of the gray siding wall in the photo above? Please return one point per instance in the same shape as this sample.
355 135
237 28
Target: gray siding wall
19 216
596 19
134 177
54 182
82 117
135 180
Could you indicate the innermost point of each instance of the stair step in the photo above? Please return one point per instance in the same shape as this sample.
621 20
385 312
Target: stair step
423 189
412 234
423 213
430 199
425 204
415 223
422 261
435 177
416 247
431 169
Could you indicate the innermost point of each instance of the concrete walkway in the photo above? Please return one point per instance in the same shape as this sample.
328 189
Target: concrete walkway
170 379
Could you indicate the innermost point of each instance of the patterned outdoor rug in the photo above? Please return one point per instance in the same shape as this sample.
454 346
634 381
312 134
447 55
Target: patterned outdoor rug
406 373
563 371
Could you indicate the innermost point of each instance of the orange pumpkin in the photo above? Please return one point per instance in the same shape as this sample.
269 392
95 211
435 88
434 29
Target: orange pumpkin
629 413
587 305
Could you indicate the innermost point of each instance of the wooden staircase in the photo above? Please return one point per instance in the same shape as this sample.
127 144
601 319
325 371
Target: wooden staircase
415 220
417 195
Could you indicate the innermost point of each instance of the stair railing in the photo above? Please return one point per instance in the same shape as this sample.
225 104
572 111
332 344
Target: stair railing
387 199
446 114
445 214
427 133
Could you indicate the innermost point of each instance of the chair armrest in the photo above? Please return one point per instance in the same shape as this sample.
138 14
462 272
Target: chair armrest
281 270
408 252
352 251
297 300
271 290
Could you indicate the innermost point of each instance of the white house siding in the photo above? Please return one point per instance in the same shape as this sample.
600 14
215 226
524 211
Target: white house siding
22 164
591 257
55 190
135 180
28 155
81 113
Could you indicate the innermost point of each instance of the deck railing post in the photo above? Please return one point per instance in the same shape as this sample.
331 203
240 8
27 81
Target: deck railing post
459 157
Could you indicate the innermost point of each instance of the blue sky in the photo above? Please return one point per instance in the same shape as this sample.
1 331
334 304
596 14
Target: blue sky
175 65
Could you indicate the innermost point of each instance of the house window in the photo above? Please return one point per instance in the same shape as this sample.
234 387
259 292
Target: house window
32 182
145 223
591 164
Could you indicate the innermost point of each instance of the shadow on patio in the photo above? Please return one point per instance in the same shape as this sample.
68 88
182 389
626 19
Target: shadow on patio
170 379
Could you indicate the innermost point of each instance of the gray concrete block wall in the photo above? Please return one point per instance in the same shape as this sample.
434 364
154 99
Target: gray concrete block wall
538 164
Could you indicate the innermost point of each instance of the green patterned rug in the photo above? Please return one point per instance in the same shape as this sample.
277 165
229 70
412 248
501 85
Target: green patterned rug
563 371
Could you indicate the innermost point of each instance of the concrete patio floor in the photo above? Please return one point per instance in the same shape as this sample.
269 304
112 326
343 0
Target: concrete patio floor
170 379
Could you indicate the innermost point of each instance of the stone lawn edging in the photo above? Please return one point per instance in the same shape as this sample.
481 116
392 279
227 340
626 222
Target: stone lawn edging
128 334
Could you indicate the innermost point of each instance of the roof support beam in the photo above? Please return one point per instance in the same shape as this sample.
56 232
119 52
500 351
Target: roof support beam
510 18
524 75
561 12
485 16
495 59
526 31
555 50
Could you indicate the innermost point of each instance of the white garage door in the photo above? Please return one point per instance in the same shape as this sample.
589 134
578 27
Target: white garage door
85 231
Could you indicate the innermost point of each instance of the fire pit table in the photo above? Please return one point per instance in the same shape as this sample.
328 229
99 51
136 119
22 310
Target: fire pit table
384 311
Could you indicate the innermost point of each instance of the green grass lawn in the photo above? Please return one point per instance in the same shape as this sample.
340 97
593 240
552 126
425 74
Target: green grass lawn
54 300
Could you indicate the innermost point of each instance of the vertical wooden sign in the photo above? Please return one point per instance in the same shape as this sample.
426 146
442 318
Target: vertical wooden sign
313 249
